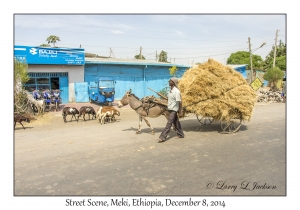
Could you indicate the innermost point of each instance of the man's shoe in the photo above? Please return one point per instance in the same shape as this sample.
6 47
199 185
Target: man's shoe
160 140
178 137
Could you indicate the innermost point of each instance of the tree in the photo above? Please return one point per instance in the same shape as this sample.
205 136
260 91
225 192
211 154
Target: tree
20 73
52 39
45 45
243 57
138 57
173 70
273 75
280 57
163 56
20 78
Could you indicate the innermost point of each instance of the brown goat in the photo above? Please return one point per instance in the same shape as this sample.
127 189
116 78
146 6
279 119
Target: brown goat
19 118
87 110
70 111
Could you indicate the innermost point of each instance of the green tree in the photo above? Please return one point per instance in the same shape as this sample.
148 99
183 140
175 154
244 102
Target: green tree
138 57
45 45
243 57
163 56
20 78
273 75
52 39
173 70
20 73
280 60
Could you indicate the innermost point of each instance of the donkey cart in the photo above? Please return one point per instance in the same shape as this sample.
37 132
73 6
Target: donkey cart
228 126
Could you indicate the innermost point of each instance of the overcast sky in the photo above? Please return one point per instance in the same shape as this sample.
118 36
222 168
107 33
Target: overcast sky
187 38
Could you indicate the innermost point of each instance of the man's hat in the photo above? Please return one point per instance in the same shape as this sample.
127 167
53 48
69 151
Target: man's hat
175 80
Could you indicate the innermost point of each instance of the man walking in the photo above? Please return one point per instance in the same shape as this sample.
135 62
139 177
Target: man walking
174 106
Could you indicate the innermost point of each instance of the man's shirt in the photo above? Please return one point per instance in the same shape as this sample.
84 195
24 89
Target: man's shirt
174 99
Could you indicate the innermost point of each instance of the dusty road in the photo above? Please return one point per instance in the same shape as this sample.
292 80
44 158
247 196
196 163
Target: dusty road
85 158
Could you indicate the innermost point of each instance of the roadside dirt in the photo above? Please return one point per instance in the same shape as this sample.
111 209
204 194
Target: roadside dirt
54 119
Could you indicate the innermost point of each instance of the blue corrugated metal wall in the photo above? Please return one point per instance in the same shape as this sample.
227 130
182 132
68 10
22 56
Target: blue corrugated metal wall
242 70
135 77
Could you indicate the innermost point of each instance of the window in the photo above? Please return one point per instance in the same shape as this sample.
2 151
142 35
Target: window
43 81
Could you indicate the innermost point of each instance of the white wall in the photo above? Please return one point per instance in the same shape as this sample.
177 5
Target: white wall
75 74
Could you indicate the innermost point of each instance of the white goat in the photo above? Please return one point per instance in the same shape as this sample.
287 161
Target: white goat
40 104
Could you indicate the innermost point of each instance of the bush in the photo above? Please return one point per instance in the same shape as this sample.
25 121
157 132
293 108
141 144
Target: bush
273 75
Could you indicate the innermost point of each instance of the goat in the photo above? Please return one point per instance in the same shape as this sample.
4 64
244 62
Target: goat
19 118
39 104
106 113
115 112
70 111
87 110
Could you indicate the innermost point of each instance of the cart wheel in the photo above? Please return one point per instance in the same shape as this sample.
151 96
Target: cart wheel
231 126
204 120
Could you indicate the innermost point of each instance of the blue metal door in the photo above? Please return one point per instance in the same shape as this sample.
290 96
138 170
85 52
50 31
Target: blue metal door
64 86
81 92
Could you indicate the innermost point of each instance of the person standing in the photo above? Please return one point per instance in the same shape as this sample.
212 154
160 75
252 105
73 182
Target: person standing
174 106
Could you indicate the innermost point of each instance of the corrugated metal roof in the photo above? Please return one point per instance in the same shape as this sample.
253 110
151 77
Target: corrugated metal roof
130 62
236 65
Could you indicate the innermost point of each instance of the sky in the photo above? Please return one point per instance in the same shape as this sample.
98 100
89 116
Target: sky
187 38
224 29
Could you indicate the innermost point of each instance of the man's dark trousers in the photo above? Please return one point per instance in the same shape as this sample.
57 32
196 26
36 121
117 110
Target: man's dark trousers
173 118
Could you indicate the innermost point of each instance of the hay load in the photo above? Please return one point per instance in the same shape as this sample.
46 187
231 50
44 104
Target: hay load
218 91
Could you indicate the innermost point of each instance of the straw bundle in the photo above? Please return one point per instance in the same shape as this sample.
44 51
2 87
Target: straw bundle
218 91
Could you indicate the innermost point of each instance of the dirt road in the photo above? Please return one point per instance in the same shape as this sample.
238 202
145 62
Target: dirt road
86 158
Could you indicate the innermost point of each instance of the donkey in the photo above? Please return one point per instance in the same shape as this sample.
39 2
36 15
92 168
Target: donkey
137 105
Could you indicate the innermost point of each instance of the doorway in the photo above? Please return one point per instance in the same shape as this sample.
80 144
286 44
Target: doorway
54 81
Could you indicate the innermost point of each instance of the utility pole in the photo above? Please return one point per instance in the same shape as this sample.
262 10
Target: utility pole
251 75
275 48
111 52
140 52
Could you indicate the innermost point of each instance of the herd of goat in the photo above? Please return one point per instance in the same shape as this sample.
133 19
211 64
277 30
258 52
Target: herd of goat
103 114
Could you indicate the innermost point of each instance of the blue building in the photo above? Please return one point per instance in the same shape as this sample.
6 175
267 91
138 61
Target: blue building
53 68
137 75
70 71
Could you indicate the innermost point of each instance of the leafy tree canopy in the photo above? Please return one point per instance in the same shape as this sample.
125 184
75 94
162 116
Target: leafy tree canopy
138 57
243 57
280 60
20 72
163 56
53 39
273 75
45 45
173 70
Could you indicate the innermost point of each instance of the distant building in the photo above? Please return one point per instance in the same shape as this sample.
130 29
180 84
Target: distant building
64 68
133 74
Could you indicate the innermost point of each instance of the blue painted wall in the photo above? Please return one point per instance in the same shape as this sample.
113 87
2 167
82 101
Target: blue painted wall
135 77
